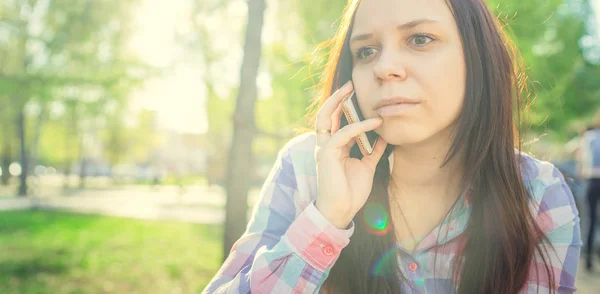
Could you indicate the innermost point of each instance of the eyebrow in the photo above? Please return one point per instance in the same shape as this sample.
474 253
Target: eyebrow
406 26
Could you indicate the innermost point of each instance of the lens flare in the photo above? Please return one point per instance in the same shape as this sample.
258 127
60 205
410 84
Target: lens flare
376 219
381 267
420 282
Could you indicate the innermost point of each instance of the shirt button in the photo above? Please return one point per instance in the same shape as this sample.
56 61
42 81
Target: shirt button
413 266
328 250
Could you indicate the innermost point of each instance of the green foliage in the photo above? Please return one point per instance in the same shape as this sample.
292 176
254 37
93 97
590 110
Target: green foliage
564 87
71 56
74 55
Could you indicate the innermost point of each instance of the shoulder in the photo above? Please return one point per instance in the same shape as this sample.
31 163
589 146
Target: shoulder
539 172
591 134
295 169
550 194
301 143
299 153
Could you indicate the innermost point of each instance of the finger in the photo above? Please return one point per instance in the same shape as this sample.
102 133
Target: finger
335 119
372 159
349 132
324 114
331 104
351 143
348 146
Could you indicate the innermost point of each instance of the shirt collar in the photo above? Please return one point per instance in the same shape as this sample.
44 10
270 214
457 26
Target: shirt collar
452 226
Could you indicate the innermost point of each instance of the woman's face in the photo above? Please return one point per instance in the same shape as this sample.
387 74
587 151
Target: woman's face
408 54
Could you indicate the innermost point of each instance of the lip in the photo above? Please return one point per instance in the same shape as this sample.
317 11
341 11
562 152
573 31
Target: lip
395 106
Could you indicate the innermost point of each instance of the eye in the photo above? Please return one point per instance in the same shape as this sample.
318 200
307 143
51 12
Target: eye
421 40
365 52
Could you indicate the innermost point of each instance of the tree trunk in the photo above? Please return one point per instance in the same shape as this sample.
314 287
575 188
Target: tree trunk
67 174
5 164
24 156
82 163
6 156
33 155
68 162
71 131
82 173
239 161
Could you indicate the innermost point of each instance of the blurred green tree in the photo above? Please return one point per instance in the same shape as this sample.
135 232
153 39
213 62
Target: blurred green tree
66 52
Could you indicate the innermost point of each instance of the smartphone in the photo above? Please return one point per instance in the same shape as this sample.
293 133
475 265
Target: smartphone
365 141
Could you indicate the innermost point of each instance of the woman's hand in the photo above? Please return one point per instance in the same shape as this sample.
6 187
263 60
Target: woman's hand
344 183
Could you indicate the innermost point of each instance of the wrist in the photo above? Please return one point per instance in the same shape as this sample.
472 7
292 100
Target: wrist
337 218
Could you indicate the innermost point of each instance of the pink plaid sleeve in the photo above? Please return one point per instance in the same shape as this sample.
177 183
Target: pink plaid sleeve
558 218
316 239
288 246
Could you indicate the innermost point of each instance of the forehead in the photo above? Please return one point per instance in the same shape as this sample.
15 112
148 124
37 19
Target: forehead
380 14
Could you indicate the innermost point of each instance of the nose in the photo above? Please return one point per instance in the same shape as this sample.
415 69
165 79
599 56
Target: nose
389 67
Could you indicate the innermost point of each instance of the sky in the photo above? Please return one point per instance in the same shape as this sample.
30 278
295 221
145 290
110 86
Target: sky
177 96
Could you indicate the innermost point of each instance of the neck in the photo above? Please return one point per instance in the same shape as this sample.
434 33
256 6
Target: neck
418 169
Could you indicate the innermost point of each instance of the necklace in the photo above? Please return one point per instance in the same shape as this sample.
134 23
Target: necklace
411 238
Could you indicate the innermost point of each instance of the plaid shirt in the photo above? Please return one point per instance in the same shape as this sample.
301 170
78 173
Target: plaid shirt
289 247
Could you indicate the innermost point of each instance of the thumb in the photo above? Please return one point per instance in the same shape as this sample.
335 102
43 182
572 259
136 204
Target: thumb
372 159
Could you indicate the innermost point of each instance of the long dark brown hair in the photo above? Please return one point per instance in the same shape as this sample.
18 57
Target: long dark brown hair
501 237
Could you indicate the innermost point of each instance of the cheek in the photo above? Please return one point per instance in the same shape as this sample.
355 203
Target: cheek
360 78
447 86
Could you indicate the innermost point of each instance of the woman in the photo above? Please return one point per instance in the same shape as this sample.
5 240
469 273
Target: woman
450 207
590 171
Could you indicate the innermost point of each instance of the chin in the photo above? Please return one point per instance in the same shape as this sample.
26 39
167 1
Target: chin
403 135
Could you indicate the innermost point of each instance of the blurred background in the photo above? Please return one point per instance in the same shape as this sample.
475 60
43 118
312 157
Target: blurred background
136 134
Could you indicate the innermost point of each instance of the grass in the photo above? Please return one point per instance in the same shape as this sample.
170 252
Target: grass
55 252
